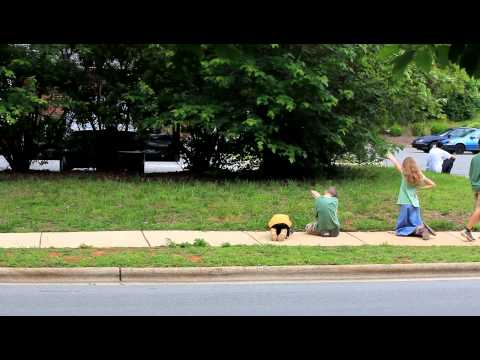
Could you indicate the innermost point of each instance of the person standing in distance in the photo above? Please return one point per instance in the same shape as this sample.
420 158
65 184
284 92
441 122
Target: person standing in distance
436 157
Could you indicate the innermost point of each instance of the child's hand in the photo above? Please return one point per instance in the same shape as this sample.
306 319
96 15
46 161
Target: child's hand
315 194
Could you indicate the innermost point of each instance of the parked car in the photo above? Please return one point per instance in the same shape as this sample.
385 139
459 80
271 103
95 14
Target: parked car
112 150
468 141
425 143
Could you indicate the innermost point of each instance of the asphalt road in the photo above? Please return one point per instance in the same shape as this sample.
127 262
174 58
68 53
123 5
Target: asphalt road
460 167
150 166
412 297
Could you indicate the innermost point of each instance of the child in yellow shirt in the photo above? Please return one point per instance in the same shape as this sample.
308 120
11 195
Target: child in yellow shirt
280 225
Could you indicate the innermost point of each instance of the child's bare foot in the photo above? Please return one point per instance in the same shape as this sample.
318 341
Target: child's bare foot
425 234
283 235
273 232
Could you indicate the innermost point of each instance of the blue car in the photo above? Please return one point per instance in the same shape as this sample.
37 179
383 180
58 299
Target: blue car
467 141
425 143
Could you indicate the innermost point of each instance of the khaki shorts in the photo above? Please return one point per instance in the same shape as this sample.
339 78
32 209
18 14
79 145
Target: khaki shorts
312 229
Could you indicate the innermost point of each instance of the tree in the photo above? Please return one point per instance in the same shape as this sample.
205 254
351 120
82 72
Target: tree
106 89
445 70
24 118
292 107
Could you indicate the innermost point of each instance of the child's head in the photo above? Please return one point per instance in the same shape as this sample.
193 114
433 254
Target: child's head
332 191
411 171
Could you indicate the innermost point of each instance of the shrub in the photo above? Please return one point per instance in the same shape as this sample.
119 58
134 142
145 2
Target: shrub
200 243
474 124
396 130
438 128
460 107
419 129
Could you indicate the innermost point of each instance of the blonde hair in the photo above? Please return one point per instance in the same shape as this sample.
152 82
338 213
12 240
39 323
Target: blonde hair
412 172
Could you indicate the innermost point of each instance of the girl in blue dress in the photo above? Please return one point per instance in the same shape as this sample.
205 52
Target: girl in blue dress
409 220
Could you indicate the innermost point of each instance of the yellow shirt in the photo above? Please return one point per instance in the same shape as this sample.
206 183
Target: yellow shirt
279 219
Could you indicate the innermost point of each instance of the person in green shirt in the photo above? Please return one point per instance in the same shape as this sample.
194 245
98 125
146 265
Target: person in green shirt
326 207
474 176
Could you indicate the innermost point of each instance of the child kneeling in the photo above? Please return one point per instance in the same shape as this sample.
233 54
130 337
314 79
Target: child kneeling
326 208
280 227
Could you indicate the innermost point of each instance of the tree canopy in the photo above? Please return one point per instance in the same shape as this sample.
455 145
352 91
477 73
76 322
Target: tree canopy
286 108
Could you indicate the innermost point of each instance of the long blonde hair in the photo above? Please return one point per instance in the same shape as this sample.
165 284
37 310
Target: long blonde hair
412 172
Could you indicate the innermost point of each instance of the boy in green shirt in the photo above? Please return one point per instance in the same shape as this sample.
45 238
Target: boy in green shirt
326 207
474 176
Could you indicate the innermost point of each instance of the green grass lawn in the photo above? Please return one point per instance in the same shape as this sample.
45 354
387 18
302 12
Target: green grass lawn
56 202
235 256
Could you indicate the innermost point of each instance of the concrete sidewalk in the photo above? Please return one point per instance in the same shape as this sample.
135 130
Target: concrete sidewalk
133 239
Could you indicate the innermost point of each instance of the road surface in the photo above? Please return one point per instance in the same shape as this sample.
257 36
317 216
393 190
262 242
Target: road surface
150 166
410 297
461 166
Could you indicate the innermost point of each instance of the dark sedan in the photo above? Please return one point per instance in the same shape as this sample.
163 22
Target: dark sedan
112 150
425 143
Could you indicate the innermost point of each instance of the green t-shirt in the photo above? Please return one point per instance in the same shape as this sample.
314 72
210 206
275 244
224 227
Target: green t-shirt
407 194
475 173
326 213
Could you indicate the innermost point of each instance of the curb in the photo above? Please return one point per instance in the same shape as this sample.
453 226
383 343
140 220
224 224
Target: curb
314 272
238 273
37 275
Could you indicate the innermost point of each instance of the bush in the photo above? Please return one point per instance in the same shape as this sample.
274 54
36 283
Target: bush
396 130
200 243
419 129
460 107
438 128
474 124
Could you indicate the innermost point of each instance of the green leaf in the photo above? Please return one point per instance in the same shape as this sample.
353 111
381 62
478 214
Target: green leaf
262 100
7 72
348 94
441 53
387 51
423 59
250 122
401 62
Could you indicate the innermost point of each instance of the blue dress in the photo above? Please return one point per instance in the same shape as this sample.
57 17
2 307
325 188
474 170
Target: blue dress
408 220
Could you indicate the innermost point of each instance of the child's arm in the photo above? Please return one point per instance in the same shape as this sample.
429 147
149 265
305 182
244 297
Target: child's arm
315 194
428 183
395 162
